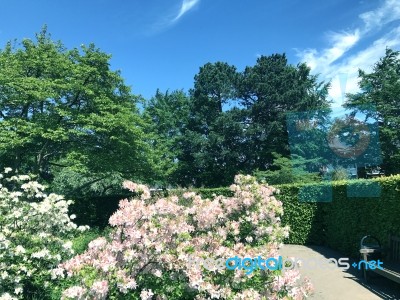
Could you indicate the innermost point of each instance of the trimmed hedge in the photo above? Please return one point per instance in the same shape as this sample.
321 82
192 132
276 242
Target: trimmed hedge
348 219
304 218
95 211
208 193
340 223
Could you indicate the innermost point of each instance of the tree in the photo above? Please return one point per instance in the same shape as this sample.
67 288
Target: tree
210 145
238 120
168 115
308 133
213 159
379 101
270 90
285 170
66 111
215 83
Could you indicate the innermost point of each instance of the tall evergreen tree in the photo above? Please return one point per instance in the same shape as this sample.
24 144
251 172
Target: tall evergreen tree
379 100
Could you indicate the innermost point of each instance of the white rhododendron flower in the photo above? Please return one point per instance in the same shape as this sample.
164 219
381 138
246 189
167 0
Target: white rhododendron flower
7 296
35 234
19 250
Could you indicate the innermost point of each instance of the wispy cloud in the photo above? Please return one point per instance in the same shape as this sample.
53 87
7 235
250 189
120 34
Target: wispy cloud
335 63
171 16
340 44
186 6
364 60
388 12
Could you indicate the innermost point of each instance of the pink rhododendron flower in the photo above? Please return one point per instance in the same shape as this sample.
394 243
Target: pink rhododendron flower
75 292
99 290
146 295
158 238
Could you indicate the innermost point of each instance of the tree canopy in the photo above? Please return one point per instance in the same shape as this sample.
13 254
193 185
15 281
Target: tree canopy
237 120
68 118
379 100
66 111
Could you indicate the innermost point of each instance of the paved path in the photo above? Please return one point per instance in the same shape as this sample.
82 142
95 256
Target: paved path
335 284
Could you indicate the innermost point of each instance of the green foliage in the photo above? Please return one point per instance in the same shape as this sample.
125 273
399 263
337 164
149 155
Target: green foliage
342 222
66 111
349 219
381 89
82 185
305 219
210 147
214 86
237 120
167 285
167 115
96 210
340 173
284 170
81 241
269 90
211 155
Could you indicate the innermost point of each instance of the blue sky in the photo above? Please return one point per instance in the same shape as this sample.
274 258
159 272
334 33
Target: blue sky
162 43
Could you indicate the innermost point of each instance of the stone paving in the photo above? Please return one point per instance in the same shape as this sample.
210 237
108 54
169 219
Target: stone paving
335 284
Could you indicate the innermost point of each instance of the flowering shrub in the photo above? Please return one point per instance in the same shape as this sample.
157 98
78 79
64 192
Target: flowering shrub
146 256
34 235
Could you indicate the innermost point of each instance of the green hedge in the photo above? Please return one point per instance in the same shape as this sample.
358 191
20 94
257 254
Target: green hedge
340 223
304 218
208 193
95 211
348 219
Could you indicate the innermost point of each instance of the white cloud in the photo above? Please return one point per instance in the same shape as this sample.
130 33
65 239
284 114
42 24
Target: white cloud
340 44
170 17
388 12
334 62
186 6
347 71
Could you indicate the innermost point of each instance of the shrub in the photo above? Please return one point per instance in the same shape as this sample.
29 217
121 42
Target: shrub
153 240
34 238
288 170
340 173
82 240
305 219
